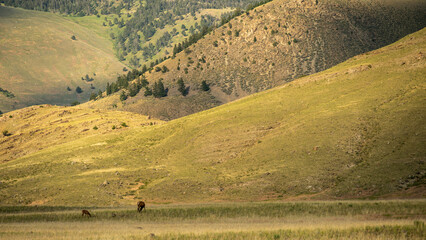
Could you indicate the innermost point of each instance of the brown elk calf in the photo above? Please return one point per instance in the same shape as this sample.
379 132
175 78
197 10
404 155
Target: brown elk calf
141 206
85 212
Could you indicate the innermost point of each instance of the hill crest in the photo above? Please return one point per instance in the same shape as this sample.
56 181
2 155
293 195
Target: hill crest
272 45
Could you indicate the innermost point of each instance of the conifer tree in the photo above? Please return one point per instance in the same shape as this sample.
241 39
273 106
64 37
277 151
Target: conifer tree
123 96
108 89
147 92
158 90
92 96
204 86
181 87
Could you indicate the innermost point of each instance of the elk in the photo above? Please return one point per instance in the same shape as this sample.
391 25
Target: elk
85 212
141 206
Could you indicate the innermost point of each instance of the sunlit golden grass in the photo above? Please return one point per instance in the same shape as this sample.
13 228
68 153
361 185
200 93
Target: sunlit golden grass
244 222
226 230
57 125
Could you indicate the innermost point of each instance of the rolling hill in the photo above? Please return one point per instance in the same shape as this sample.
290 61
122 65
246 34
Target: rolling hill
272 45
39 60
356 130
143 32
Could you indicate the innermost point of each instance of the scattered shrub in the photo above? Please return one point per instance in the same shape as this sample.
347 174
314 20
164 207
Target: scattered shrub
7 93
123 96
78 90
204 86
6 133
164 69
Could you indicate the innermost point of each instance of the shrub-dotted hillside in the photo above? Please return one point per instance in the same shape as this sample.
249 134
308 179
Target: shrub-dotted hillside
274 44
356 130
44 58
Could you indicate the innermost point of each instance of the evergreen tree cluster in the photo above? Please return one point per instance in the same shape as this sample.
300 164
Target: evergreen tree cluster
156 14
204 29
254 5
158 89
208 26
150 16
73 7
123 81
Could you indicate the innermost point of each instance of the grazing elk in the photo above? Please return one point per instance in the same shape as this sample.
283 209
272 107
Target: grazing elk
141 206
85 212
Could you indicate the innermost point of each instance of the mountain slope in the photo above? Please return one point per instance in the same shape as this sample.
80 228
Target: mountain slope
272 45
356 130
39 60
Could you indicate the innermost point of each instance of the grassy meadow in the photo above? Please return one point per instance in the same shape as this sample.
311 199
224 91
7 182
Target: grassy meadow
268 220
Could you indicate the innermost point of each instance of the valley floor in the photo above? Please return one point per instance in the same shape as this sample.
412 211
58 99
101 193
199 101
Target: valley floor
399 219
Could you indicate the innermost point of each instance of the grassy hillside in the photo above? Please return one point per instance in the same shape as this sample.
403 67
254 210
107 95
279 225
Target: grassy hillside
274 44
56 125
353 131
100 26
135 26
39 60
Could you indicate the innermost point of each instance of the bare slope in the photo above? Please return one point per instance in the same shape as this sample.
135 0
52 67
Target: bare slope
356 130
39 60
275 44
